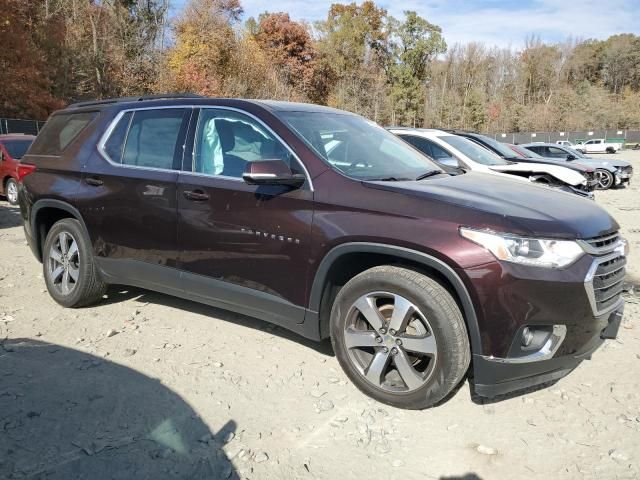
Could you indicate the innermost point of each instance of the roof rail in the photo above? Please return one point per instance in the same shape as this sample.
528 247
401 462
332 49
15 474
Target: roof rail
107 101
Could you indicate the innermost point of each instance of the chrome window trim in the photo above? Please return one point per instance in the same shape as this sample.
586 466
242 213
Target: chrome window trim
105 136
260 122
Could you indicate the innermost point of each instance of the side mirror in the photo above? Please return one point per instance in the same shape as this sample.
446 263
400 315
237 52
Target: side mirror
271 172
570 157
449 162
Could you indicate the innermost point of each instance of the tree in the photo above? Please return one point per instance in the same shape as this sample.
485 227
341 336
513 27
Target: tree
212 58
290 46
353 40
26 75
415 42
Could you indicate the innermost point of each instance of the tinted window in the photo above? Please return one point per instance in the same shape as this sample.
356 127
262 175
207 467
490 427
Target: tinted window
538 150
420 143
114 146
226 141
472 150
369 151
440 153
501 148
59 131
17 148
556 152
152 139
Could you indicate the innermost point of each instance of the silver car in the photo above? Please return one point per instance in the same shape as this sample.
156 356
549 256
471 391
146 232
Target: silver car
610 172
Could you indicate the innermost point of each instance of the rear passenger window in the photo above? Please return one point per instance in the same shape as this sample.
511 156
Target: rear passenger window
152 139
59 132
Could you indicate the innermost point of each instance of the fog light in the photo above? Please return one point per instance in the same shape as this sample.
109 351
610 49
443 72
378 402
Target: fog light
527 337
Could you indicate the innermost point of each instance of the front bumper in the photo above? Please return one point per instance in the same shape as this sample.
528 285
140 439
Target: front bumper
495 376
622 178
572 310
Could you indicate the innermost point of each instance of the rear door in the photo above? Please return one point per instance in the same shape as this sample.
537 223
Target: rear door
128 195
243 247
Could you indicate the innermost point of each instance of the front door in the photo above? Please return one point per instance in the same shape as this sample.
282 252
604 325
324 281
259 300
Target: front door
243 247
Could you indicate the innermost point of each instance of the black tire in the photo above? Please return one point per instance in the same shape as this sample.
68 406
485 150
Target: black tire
444 322
88 287
611 150
9 188
606 180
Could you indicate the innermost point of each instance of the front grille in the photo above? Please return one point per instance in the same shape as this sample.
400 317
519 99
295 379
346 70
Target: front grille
608 281
601 244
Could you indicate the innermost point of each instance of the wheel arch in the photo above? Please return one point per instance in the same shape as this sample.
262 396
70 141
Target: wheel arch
356 257
5 180
47 212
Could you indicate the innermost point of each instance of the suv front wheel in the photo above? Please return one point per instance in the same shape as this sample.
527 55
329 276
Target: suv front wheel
400 337
69 269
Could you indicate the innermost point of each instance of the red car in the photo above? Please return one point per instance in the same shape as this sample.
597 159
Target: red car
12 148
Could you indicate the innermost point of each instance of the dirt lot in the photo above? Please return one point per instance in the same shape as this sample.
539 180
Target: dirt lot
148 386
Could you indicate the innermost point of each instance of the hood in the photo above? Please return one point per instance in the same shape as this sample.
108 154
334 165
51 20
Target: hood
559 172
531 209
609 163
577 166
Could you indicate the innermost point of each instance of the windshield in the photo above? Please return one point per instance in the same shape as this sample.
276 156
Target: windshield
500 147
17 148
573 152
472 150
358 147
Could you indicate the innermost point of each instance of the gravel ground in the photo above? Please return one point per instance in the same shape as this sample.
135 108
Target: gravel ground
149 386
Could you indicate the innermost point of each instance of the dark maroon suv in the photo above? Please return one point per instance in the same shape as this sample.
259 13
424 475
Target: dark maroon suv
324 223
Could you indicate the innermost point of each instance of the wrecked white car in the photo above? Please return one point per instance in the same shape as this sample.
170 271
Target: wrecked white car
458 153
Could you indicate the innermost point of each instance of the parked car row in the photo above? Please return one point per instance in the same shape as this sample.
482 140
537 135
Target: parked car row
473 152
609 172
419 269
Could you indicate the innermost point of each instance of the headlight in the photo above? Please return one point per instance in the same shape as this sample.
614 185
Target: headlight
527 251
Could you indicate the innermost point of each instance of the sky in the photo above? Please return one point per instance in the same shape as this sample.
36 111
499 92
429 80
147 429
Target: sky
505 23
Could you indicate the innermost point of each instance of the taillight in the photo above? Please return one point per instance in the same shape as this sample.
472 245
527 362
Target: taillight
25 169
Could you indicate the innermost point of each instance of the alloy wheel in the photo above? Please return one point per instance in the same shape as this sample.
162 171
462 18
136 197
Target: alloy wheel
64 263
390 342
605 179
12 192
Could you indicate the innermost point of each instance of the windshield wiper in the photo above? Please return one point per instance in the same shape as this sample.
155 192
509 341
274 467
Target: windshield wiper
387 179
428 174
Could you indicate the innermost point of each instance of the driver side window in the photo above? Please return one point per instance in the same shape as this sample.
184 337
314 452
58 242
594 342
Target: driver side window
226 141
555 152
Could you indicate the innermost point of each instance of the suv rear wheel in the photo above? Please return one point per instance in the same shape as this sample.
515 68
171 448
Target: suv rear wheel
400 337
69 269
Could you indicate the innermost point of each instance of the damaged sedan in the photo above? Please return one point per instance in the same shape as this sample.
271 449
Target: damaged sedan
456 152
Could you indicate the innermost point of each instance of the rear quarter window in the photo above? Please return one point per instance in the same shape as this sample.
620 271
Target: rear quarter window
59 131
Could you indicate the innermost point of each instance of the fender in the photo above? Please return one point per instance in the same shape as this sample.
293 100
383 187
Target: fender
406 253
51 203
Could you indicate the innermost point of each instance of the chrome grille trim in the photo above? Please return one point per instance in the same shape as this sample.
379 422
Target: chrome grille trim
601 297
601 245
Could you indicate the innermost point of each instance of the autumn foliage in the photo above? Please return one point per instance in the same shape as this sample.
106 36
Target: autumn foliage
359 58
